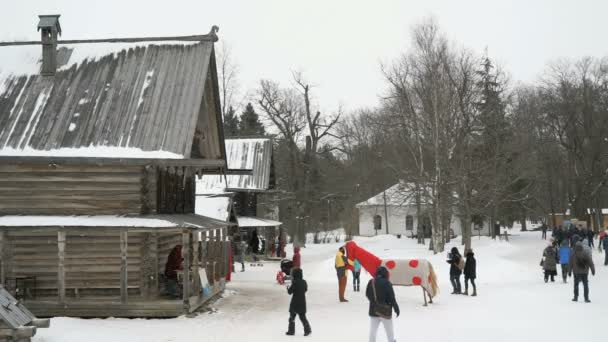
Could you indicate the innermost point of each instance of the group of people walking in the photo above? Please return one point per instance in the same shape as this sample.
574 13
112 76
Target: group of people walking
571 248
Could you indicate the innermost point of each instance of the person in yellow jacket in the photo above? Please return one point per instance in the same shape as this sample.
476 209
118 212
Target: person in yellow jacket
340 264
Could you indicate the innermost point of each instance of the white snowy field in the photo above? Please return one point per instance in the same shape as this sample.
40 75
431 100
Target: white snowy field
514 303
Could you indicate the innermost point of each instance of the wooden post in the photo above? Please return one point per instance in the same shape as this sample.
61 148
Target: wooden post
196 264
149 266
61 266
186 253
2 258
123 267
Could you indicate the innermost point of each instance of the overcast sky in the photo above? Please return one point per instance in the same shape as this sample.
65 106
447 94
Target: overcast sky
338 44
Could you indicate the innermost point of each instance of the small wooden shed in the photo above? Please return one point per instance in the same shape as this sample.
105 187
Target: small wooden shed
100 144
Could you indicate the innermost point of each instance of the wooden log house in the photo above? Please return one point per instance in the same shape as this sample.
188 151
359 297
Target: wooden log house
100 143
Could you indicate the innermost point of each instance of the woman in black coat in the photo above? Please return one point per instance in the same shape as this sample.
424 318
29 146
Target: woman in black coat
470 272
297 306
380 291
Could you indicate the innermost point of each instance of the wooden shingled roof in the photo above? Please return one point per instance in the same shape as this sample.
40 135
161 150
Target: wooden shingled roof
153 96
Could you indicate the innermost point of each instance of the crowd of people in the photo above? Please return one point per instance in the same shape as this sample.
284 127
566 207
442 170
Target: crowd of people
571 247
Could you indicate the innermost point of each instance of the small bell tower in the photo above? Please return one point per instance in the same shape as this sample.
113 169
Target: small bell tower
49 31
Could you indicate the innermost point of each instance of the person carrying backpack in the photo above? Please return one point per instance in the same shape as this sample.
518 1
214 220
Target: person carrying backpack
382 303
456 268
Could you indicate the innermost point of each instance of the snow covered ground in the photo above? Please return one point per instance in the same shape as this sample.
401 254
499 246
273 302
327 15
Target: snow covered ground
514 303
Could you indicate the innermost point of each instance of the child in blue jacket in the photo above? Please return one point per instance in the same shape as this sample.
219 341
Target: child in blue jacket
564 259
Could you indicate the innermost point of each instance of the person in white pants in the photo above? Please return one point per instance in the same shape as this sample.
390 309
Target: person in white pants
382 303
388 328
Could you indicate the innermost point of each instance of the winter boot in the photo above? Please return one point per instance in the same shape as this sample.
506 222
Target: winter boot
307 329
474 293
466 292
291 329
575 299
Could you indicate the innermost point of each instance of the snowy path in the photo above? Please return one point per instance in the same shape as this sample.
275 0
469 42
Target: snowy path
514 304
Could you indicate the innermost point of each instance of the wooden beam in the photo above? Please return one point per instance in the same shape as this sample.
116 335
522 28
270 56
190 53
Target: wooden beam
186 253
123 267
149 266
211 37
211 164
2 258
61 266
196 263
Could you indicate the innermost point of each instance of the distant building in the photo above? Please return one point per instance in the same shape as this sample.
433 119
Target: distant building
394 211
250 183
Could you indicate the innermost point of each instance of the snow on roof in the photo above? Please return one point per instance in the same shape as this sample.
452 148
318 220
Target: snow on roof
252 221
83 221
129 95
242 154
400 194
92 151
216 207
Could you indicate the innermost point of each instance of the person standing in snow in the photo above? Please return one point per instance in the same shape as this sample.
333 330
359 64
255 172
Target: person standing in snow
470 272
457 265
564 259
590 237
544 229
297 259
382 303
356 275
605 245
549 262
600 243
254 244
340 265
297 306
580 264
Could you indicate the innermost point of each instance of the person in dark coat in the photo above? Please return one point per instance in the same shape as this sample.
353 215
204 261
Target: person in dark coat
174 263
544 229
590 237
580 264
550 259
297 306
455 260
380 290
254 244
470 272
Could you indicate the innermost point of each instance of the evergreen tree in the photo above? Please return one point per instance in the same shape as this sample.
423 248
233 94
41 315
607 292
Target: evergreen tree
231 123
250 124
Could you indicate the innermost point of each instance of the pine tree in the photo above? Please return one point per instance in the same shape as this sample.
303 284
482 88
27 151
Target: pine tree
250 124
231 123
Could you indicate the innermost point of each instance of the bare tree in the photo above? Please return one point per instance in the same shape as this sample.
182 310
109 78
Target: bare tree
228 77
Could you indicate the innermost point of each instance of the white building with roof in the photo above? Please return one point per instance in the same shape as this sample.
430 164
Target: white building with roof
393 211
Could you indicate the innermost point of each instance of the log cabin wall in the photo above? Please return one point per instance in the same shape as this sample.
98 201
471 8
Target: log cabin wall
175 190
92 263
76 190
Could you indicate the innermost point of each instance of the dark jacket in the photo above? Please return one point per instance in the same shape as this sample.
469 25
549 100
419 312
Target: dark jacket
550 259
470 266
384 292
254 242
174 262
297 290
581 262
454 261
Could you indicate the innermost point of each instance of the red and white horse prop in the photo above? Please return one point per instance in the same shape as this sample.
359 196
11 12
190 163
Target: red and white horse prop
403 272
